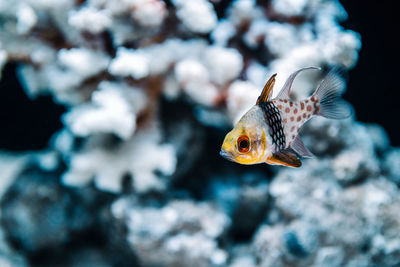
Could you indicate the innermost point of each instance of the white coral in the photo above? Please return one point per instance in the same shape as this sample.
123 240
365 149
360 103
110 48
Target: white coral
161 57
182 230
197 15
150 13
224 64
256 33
242 95
290 7
343 50
83 61
130 63
190 70
223 32
113 109
280 38
258 74
27 18
90 19
193 77
244 11
139 157
197 246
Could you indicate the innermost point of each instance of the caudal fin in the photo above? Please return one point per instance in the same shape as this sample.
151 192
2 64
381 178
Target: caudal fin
328 93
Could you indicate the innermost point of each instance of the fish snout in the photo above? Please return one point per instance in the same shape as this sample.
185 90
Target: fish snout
226 155
223 153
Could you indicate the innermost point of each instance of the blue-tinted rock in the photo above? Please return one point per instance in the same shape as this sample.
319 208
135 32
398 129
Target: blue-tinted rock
41 217
294 245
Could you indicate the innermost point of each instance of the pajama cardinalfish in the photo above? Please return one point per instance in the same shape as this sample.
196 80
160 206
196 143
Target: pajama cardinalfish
269 131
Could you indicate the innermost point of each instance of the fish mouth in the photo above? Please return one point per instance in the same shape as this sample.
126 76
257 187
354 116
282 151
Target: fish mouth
226 155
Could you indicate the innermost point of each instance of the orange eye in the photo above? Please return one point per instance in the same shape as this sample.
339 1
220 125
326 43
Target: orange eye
243 144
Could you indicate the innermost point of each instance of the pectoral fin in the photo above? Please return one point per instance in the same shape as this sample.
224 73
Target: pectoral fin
285 157
300 148
266 93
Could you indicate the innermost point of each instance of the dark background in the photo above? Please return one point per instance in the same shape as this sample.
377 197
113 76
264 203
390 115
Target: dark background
371 87
28 125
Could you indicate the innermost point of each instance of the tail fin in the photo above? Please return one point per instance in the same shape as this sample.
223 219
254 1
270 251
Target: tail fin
328 93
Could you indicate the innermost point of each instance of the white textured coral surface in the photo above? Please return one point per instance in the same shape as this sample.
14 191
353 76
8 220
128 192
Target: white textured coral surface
139 156
190 230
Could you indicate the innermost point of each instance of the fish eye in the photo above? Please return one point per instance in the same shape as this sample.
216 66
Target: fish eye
243 144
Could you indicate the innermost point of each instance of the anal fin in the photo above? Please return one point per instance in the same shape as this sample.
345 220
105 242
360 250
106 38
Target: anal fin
286 158
299 147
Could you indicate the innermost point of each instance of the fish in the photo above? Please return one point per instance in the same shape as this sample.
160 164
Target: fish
269 131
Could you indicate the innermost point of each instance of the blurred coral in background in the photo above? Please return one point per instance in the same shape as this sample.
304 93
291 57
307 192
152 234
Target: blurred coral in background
134 177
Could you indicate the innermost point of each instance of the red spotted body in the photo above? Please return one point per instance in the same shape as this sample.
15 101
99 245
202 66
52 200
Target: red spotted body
295 114
269 131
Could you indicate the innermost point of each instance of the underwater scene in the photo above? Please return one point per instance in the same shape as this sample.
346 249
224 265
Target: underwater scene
200 133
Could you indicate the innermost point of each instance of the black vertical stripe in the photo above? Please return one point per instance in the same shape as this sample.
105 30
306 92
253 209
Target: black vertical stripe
274 120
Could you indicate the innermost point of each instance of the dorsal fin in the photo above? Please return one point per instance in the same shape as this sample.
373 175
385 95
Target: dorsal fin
284 157
299 147
285 92
267 91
